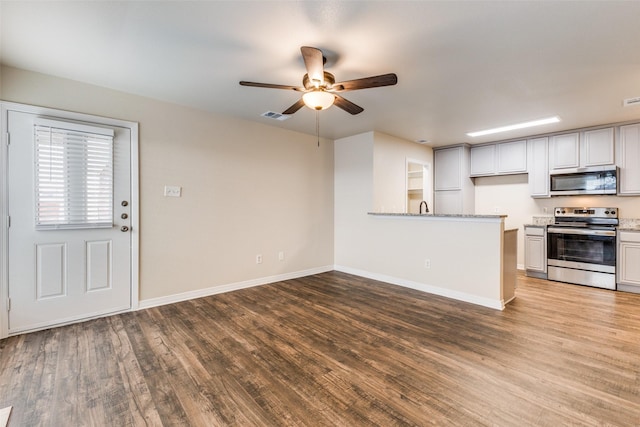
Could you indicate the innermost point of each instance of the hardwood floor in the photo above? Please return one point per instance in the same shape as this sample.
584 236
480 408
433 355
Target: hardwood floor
337 350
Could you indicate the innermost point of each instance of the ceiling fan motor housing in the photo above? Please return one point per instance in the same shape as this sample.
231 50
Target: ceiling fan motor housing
329 80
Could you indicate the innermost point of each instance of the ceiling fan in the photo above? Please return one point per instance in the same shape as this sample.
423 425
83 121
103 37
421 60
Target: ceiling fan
320 88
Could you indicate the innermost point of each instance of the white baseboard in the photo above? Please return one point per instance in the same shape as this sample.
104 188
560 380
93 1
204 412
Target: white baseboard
184 296
436 290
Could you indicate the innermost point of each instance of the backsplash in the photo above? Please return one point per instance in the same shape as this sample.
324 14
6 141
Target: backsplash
542 220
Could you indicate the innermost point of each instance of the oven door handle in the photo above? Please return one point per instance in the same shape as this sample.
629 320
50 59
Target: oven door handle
557 230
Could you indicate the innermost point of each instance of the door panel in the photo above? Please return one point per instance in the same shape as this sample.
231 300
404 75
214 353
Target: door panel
62 275
51 277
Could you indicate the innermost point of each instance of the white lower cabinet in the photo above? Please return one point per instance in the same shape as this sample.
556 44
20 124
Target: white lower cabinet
628 265
535 251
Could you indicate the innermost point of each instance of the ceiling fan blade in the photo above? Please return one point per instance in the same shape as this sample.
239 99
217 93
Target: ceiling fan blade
314 63
272 86
367 82
295 107
347 106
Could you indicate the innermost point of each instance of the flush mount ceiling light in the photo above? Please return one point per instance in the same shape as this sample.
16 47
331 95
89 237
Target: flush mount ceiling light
548 120
318 99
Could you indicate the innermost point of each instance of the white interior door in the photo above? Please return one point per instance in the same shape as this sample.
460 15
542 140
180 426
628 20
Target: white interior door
67 266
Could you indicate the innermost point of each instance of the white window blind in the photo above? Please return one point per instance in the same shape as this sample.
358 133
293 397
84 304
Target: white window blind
73 175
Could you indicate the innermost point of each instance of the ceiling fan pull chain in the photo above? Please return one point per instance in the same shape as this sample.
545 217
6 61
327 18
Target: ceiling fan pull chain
318 126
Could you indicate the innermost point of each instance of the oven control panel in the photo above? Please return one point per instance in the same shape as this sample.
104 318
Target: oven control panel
586 212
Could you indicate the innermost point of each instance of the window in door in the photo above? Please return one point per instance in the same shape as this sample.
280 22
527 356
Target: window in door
74 175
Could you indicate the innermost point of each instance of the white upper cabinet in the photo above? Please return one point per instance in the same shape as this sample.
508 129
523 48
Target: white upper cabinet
538 166
596 147
628 160
483 160
499 159
448 168
582 149
564 151
512 157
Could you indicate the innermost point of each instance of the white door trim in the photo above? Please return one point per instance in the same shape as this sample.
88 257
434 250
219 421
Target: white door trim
5 107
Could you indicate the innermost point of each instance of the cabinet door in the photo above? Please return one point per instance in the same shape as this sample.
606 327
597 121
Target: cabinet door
629 263
483 160
628 160
448 163
512 157
535 256
448 202
564 151
538 167
596 147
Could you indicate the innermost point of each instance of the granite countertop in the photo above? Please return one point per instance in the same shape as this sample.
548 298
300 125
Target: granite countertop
429 215
626 224
629 224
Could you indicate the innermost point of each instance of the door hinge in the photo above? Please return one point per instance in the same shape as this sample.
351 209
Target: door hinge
8 304
8 221
7 139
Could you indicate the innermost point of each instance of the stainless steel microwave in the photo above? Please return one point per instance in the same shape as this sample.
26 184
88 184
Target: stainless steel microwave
593 180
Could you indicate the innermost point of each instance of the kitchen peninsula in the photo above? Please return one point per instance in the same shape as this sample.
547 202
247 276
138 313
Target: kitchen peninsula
462 256
466 257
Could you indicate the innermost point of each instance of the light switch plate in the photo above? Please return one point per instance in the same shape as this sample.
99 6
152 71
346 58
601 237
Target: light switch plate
172 191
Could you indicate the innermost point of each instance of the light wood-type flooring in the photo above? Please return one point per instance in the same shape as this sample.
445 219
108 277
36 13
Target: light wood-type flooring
337 350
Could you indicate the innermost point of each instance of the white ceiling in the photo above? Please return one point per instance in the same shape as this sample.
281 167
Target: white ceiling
461 66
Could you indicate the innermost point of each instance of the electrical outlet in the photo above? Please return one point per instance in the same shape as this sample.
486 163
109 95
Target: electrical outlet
427 263
281 256
172 191
259 259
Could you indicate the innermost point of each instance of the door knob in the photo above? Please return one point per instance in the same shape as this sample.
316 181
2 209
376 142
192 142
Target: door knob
124 228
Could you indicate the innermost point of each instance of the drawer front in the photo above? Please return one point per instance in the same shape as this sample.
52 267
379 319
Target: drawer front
629 236
535 231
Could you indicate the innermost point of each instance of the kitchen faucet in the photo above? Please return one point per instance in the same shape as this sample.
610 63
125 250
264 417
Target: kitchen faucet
426 208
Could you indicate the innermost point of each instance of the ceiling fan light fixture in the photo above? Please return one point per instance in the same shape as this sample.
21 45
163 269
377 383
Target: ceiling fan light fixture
318 99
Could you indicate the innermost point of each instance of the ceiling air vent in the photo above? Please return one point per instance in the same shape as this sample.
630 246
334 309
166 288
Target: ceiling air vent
275 116
631 101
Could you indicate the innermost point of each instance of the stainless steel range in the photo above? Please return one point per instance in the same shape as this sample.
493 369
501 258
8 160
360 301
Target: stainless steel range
581 246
